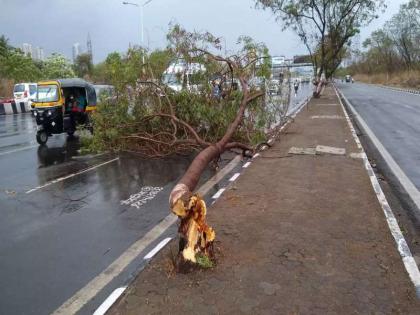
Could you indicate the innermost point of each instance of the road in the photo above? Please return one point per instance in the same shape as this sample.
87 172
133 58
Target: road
57 236
394 117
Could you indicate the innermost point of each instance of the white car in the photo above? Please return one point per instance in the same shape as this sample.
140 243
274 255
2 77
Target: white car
24 92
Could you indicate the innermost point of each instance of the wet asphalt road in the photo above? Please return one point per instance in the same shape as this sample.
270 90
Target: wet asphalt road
57 236
394 117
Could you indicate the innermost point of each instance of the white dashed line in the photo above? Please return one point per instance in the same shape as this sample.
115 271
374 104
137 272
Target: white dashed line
234 177
70 176
158 247
105 306
246 164
219 193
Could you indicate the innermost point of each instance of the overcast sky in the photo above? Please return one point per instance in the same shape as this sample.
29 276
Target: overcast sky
56 24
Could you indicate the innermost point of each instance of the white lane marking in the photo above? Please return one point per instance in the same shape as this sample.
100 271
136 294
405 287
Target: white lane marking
405 253
219 193
234 177
256 155
88 292
327 117
157 248
18 150
106 305
70 176
246 164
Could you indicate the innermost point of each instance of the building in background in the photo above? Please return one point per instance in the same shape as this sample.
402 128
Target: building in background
89 47
27 49
39 54
76 51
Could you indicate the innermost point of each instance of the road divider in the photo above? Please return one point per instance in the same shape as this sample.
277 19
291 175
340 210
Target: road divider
13 108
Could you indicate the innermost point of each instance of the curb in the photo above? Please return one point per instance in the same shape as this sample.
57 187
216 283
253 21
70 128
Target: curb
402 246
13 108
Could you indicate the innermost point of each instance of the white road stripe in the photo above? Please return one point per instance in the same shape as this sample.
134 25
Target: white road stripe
256 155
219 193
88 292
246 164
234 177
70 176
105 306
157 248
407 258
18 150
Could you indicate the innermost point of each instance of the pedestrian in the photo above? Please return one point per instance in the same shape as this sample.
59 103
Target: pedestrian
296 87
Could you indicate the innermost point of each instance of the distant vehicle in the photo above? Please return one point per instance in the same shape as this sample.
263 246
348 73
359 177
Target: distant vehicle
104 91
348 78
257 83
274 87
24 92
181 75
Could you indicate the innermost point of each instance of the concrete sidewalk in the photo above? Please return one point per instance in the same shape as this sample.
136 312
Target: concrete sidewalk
296 234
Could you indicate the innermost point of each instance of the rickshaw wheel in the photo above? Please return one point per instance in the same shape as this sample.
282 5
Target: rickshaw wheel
42 137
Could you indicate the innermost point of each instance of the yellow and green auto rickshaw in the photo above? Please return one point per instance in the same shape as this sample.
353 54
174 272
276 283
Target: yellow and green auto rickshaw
62 105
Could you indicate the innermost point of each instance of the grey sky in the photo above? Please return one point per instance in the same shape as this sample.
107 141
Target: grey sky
57 24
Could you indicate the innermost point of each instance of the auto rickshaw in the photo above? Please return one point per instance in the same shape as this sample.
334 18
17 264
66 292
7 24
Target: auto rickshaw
62 105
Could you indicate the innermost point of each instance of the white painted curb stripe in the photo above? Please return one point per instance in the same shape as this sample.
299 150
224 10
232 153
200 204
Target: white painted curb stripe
106 305
246 164
234 177
157 248
256 155
70 176
219 193
88 292
404 250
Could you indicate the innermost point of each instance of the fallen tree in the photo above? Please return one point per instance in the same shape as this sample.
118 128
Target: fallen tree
219 108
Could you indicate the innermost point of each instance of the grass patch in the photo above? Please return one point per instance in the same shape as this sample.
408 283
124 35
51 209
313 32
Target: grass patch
203 261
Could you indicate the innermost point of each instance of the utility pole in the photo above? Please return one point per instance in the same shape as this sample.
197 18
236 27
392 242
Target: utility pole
141 20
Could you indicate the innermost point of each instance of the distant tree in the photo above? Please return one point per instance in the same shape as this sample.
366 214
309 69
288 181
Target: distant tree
83 66
14 65
323 26
57 66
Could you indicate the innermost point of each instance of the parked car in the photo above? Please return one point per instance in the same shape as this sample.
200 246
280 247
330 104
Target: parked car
24 92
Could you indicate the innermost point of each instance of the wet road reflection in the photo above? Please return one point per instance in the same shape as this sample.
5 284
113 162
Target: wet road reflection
54 238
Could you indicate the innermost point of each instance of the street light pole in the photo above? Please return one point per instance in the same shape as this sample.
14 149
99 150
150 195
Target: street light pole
141 19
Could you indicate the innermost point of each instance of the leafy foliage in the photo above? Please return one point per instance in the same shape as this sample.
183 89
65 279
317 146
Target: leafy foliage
141 118
325 27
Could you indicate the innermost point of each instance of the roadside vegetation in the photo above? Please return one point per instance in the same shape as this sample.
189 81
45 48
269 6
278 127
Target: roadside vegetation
391 55
324 27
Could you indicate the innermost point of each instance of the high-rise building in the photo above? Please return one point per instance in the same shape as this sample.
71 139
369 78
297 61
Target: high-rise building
39 54
27 49
89 47
76 51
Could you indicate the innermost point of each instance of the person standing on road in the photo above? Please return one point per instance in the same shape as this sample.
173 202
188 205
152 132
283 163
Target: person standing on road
296 87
